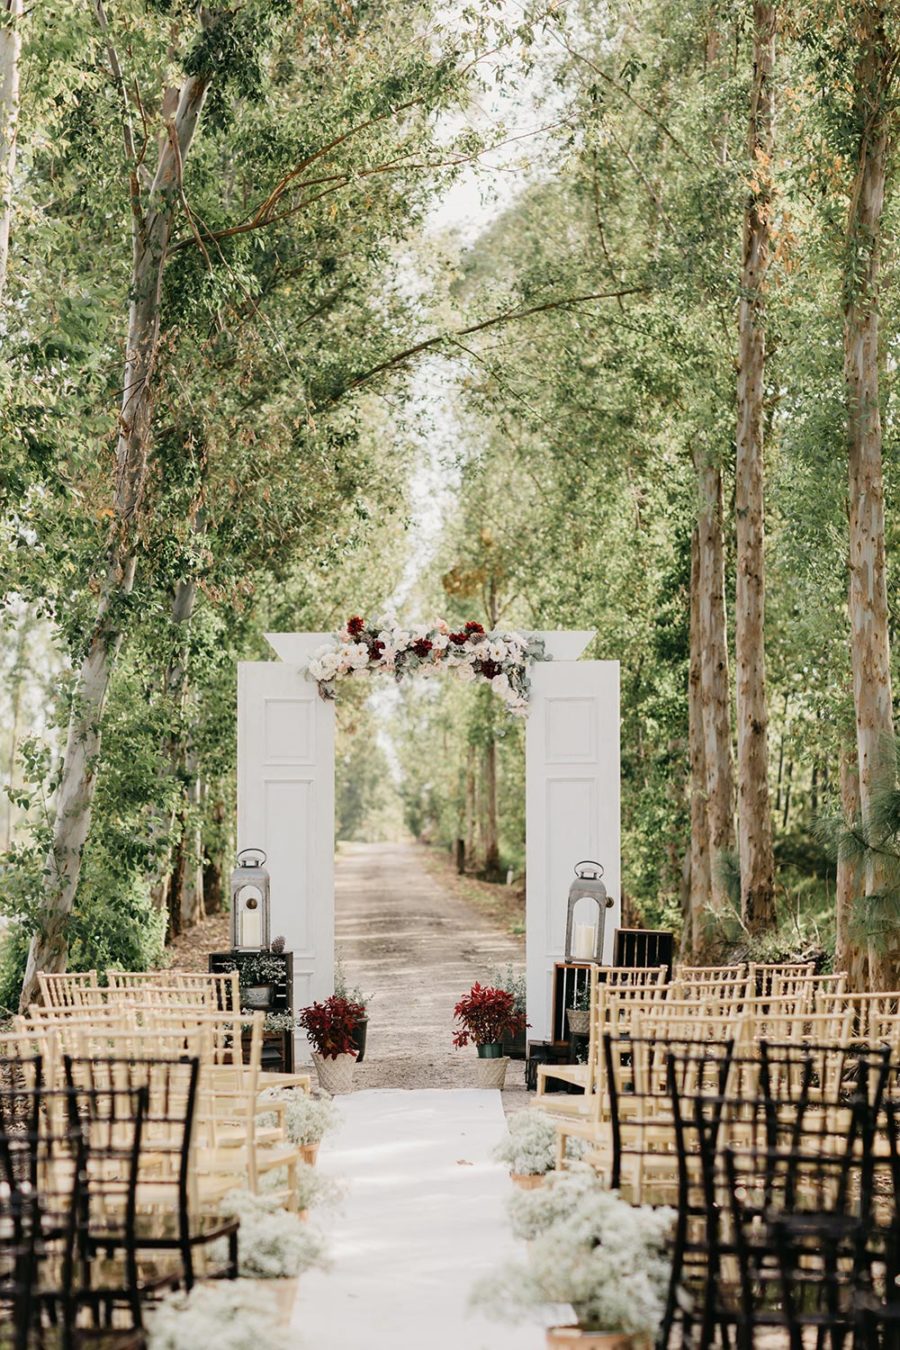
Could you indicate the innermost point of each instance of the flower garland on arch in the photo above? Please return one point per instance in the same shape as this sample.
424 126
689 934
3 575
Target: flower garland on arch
498 658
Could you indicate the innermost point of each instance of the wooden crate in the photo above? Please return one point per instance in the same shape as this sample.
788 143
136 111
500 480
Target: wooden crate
644 947
278 1046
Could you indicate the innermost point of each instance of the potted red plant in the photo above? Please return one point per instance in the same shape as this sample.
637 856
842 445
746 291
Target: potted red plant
330 1028
486 1016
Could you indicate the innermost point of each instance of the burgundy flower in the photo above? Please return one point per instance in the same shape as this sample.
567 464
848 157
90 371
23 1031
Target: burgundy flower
459 639
355 626
488 669
377 647
422 647
473 628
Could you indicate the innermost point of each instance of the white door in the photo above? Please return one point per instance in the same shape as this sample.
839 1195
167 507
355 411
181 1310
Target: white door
286 806
572 810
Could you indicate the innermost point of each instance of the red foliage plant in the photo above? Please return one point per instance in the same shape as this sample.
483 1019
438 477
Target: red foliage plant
330 1025
487 1016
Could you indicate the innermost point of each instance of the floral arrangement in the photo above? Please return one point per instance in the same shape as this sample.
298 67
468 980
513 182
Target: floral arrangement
230 1314
274 1244
529 1148
343 990
306 1119
486 1015
606 1258
513 980
263 967
330 1025
311 1187
500 659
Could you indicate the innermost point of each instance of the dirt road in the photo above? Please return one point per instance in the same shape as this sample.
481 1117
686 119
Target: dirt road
416 947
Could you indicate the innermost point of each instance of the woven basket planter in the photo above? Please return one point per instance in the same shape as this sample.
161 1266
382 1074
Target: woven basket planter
491 1073
573 1338
335 1075
528 1181
309 1153
579 1021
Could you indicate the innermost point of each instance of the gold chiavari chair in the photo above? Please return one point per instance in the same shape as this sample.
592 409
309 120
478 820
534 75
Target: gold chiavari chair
61 991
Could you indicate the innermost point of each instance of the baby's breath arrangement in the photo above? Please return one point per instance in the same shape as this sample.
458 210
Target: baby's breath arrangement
530 1146
231 1314
604 1257
274 1244
307 1119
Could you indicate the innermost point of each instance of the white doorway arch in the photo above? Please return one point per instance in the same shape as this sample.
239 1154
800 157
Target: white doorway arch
285 786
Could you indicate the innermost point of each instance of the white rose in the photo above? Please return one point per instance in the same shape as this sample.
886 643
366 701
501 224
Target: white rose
465 673
440 642
388 657
358 655
497 651
501 685
401 639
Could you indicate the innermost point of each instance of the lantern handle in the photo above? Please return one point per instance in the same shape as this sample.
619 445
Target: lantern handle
588 862
255 851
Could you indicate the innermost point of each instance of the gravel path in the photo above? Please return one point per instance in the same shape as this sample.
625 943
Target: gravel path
417 947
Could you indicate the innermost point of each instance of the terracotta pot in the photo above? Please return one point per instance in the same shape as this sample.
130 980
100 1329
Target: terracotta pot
579 1021
491 1073
285 1292
529 1181
309 1153
573 1338
335 1075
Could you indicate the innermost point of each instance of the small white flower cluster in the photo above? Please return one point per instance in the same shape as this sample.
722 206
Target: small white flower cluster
590 1249
273 1244
306 1118
230 1314
530 1146
500 659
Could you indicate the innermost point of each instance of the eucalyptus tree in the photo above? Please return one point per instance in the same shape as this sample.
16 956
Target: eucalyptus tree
754 830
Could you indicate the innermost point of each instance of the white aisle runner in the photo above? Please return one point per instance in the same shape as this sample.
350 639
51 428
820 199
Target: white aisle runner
423 1216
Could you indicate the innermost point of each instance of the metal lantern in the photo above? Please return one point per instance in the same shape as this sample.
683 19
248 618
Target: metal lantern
250 901
584 942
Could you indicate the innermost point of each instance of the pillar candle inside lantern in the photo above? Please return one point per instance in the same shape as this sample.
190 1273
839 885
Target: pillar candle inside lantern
251 932
585 940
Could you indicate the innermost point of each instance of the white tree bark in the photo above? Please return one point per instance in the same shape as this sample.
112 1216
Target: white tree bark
757 860
868 604
10 52
151 233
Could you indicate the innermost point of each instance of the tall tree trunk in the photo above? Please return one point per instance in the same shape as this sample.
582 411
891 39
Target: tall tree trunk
471 806
848 955
10 53
151 233
190 878
491 840
700 890
176 684
714 691
757 861
869 639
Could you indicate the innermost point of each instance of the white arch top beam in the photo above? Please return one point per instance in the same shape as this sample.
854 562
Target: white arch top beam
560 644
